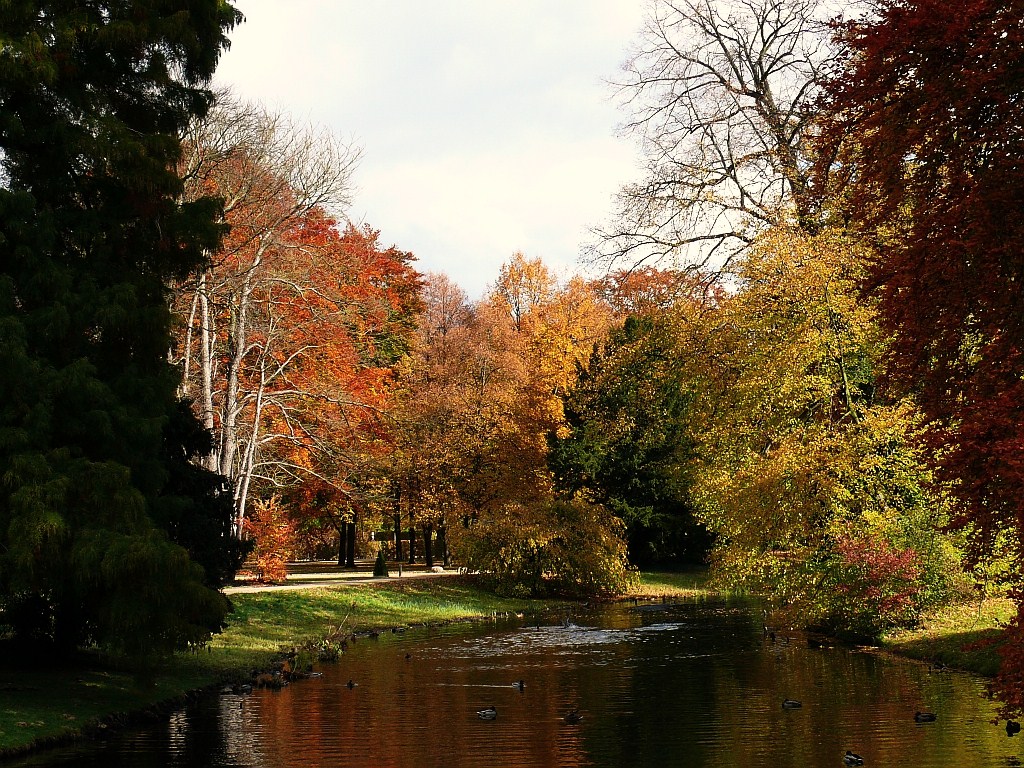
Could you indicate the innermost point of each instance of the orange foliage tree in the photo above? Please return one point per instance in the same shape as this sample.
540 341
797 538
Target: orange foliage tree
287 338
273 534
475 406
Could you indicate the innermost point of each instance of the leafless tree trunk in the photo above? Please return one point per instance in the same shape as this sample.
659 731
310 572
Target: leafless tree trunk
721 98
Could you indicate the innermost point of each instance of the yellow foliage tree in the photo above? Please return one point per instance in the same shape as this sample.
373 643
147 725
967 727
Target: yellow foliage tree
804 461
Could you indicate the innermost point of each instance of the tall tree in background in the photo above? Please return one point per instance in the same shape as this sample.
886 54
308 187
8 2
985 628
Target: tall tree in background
460 429
644 290
348 322
96 447
927 129
242 311
475 402
718 95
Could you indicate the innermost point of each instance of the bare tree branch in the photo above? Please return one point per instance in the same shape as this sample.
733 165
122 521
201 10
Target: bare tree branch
720 96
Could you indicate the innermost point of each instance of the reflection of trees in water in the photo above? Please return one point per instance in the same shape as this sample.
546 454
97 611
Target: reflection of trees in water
657 685
421 713
852 700
240 722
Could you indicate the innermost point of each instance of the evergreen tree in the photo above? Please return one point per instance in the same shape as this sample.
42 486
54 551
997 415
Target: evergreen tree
627 446
95 478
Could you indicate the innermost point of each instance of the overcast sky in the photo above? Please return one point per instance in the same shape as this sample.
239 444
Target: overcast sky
486 126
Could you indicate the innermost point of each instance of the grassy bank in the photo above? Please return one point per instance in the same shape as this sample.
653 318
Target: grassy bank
684 584
42 705
965 636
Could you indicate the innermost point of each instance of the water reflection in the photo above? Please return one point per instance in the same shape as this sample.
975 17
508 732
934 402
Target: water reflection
657 685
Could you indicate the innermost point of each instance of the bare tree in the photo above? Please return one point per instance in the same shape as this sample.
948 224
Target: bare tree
271 174
720 95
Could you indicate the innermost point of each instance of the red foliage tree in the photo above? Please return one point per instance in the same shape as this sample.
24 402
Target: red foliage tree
878 581
644 290
928 127
274 537
342 334
927 122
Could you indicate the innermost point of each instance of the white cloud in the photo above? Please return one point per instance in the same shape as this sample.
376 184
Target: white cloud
486 127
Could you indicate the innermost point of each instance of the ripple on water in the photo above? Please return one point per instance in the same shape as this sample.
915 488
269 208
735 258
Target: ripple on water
667 685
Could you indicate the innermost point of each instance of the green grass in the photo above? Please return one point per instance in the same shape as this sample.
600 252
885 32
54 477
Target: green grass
689 584
965 636
41 705
265 623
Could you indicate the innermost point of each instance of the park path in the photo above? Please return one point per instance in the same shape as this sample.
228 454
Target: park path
326 573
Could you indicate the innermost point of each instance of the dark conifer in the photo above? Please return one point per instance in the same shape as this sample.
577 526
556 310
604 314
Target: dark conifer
95 482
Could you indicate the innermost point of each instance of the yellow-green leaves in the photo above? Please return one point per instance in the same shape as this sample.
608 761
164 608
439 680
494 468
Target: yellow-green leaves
798 447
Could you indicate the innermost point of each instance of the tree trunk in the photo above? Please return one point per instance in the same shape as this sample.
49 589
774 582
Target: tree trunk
398 535
442 545
428 545
342 529
351 543
412 539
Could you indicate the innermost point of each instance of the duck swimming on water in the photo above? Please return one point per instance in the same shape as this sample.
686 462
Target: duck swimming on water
487 714
791 704
924 717
852 758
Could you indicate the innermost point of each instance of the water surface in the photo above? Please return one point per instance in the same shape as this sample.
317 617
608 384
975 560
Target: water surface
693 684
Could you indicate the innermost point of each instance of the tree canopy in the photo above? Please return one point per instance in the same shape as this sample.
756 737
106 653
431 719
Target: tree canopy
926 125
626 445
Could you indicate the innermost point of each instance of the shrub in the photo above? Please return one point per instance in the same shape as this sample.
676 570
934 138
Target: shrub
274 536
558 547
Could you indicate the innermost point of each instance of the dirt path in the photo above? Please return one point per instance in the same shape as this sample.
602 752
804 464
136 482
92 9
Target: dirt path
312 575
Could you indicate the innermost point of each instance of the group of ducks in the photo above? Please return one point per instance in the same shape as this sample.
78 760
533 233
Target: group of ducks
491 713
852 758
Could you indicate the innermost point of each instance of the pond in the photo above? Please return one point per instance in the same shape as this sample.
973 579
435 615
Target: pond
695 684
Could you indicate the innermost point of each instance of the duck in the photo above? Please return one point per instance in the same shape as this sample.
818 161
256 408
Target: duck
925 717
852 758
519 685
350 684
791 704
1012 727
571 718
487 714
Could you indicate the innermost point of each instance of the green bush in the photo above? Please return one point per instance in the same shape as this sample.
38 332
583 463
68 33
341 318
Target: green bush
380 566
